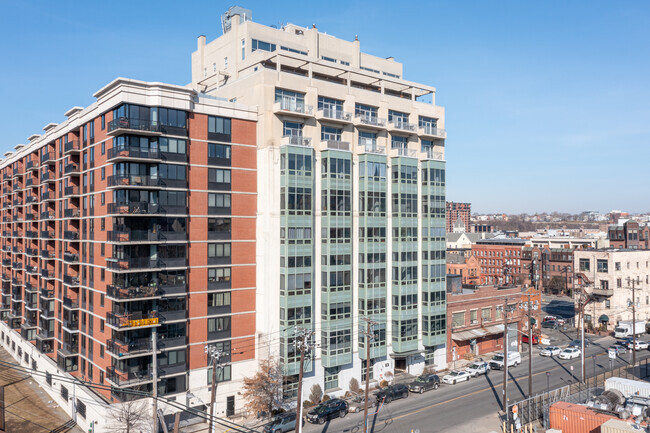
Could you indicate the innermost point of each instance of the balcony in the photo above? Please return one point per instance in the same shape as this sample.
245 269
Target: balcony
130 378
431 131
72 169
6 277
30 288
429 153
46 196
369 121
31 305
47 293
46 314
47 274
295 140
31 234
48 254
44 334
30 199
71 147
47 177
48 215
401 124
293 107
129 180
30 182
144 208
69 349
334 145
70 280
369 145
603 292
47 157
70 304
403 151
71 191
134 293
6 262
71 235
124 125
48 234
71 213
17 266
124 235
131 152
32 270
334 115
130 347
31 165
71 258
18 202
132 320
71 325
143 263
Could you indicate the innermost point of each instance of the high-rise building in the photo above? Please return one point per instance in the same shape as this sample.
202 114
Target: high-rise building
458 212
129 224
351 198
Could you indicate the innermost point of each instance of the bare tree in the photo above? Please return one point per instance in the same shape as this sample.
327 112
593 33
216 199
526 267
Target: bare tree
133 416
263 392
354 385
316 392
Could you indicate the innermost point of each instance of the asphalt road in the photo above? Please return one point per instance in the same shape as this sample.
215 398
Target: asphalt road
473 405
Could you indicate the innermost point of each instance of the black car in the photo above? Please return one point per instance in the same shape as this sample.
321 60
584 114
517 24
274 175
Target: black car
578 343
333 408
391 392
550 324
425 383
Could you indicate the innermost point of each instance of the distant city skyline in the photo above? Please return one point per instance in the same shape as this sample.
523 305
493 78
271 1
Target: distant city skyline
546 103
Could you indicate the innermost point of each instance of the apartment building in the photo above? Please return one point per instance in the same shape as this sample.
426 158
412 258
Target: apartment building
629 234
351 198
458 212
549 268
607 275
128 242
500 260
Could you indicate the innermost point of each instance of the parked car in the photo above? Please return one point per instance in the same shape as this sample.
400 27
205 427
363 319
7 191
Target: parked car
477 368
524 339
425 383
281 423
578 343
333 408
390 393
569 353
514 359
550 351
640 345
617 348
455 376
357 404
552 324
559 320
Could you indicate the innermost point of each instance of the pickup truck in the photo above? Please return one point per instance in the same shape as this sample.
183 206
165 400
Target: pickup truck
496 363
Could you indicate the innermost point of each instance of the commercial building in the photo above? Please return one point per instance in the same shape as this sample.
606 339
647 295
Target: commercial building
456 212
467 266
475 318
351 198
128 243
500 260
608 276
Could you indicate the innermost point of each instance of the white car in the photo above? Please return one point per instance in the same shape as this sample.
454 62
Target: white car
455 376
550 351
477 368
639 345
569 353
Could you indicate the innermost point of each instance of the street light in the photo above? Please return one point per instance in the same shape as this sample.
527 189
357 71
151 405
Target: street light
548 386
594 358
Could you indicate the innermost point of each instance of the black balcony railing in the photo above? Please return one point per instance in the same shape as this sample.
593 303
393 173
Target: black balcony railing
47 273
133 292
71 190
133 124
132 319
71 168
47 157
130 377
72 325
48 234
136 180
71 213
133 152
70 303
144 208
71 257
70 280
31 234
47 293
129 347
71 235
71 146
48 254
125 235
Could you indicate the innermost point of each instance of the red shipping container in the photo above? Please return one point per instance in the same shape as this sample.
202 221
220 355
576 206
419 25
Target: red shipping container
574 418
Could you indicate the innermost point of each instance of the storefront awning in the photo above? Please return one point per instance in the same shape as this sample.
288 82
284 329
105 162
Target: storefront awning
469 335
604 318
404 355
495 329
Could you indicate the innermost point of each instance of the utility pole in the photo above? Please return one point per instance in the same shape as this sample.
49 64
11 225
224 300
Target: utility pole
370 336
154 367
302 342
505 358
214 356
633 324
530 347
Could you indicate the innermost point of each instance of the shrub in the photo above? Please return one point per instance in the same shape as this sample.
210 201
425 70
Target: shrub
354 385
325 398
315 393
383 384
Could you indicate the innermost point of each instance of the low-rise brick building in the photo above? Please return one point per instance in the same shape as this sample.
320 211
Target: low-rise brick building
552 268
475 319
499 260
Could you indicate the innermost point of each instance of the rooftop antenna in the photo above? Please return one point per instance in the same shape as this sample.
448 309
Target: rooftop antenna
226 17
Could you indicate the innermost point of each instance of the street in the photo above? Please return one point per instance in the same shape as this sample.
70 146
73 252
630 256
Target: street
473 405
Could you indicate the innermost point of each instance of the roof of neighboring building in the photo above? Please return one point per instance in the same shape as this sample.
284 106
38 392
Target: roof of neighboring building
455 259
472 237
502 241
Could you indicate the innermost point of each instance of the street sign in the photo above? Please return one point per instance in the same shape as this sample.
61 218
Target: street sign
515 409
612 354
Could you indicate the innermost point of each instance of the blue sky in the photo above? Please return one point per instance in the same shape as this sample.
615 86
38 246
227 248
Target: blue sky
547 102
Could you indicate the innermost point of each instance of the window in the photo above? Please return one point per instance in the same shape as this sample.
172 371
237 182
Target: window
219 324
217 200
473 317
329 133
607 304
219 125
172 145
219 225
617 266
602 265
458 319
584 265
486 314
216 150
217 275
219 250
619 283
331 378
604 285
243 49
224 374
103 124
221 299
218 175
262 46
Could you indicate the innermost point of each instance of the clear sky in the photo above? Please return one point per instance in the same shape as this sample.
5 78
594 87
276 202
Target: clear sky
547 102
